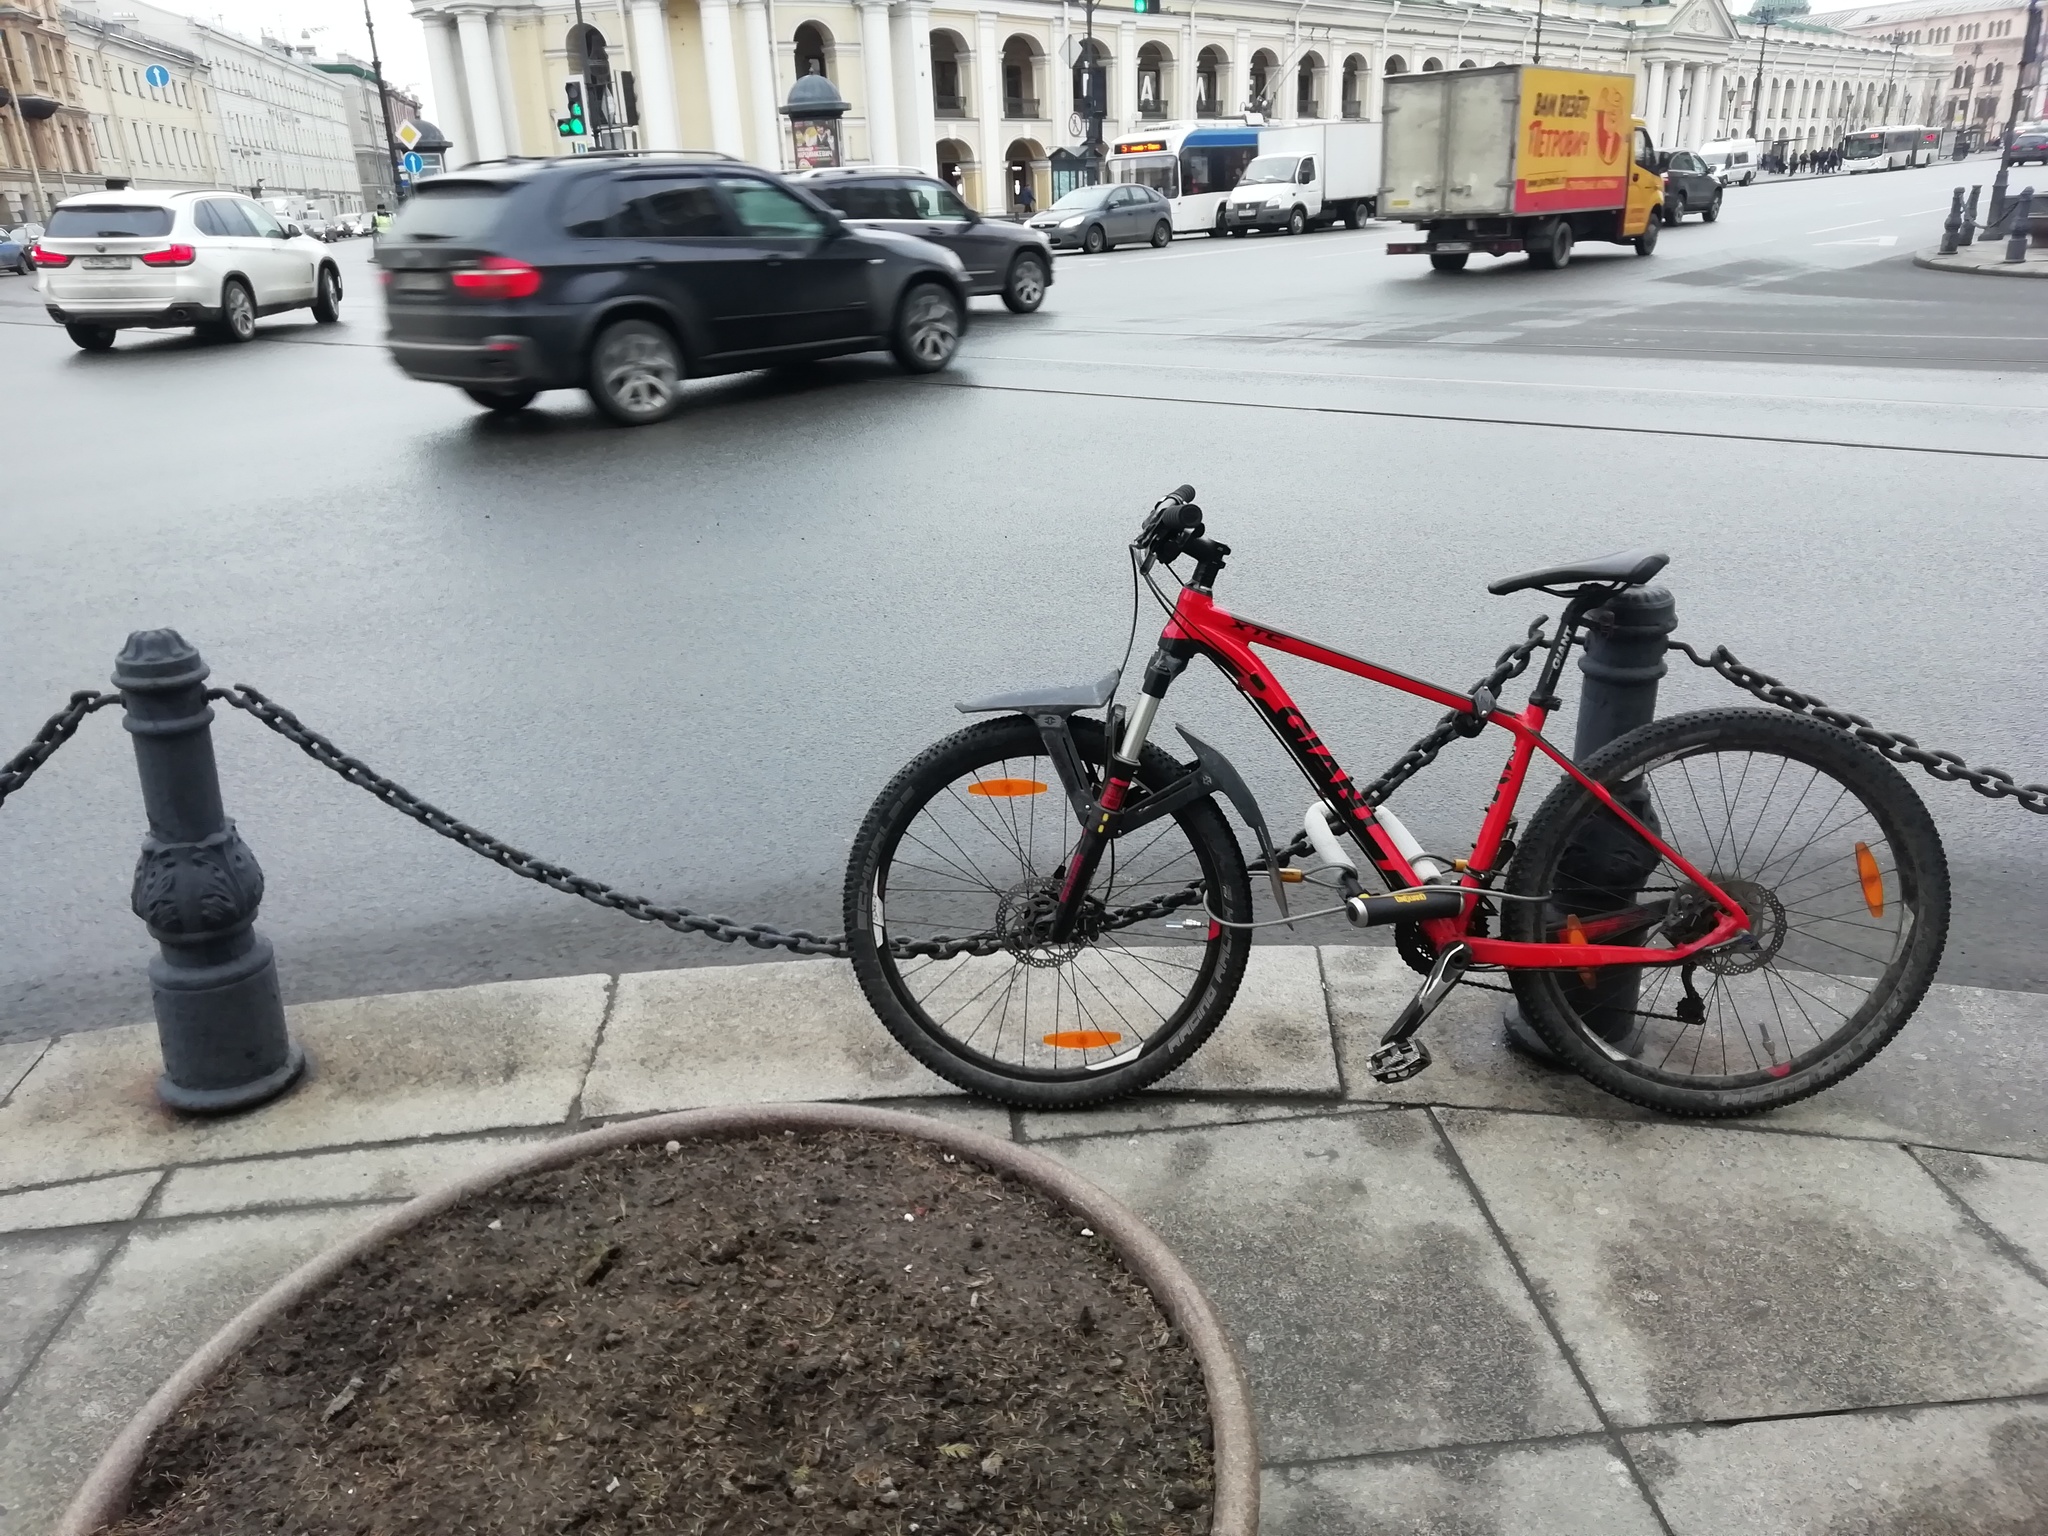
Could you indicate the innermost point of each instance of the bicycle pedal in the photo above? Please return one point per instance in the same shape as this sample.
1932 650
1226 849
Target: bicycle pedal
1398 1062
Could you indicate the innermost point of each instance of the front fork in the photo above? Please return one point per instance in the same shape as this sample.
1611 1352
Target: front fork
1098 826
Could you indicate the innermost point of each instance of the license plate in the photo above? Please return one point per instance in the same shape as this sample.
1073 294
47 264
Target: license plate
104 263
418 282
1452 245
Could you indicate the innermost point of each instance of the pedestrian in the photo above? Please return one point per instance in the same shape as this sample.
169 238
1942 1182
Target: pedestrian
1027 198
382 223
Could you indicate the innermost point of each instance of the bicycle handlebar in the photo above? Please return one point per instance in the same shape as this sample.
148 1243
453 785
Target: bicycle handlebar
1171 524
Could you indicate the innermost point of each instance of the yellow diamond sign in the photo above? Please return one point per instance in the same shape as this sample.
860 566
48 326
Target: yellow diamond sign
409 136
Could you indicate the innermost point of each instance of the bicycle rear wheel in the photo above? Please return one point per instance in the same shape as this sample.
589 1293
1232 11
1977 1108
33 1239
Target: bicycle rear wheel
1827 848
969 842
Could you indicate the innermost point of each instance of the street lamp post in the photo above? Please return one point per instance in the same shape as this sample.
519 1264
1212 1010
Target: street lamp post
383 101
1756 95
2030 74
1898 41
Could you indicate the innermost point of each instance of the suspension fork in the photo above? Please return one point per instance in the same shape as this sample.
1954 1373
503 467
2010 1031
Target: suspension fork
1098 827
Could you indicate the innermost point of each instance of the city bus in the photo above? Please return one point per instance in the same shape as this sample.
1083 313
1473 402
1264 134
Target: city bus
1890 148
1193 167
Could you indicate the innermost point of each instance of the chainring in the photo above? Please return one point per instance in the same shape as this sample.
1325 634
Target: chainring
1415 948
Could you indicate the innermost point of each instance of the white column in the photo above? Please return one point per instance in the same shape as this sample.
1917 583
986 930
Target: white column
480 73
1184 74
655 81
721 78
764 125
501 75
1652 112
1126 103
988 105
1059 81
1674 101
1696 109
1717 82
917 124
876 82
451 109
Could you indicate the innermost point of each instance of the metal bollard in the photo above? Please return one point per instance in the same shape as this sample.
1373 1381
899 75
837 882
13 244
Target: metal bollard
1970 218
1622 666
219 1015
1953 226
2016 239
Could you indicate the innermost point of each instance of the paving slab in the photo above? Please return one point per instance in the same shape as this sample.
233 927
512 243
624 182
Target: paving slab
40 1276
1276 1036
975 1114
1976 1470
1147 1112
781 1031
16 1059
332 1178
163 1295
382 1069
1472 1067
1570 1488
2008 1194
1372 1306
77 1205
1721 1274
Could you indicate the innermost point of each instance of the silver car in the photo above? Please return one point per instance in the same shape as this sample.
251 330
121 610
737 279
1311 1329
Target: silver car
1094 219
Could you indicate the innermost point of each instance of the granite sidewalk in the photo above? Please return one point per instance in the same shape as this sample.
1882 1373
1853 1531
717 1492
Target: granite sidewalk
1487 1300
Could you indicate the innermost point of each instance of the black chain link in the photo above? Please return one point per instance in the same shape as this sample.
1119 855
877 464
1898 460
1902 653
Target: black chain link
1992 783
57 730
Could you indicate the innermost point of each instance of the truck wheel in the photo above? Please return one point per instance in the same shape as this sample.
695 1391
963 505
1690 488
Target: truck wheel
1448 261
1356 215
1554 249
1646 242
1297 221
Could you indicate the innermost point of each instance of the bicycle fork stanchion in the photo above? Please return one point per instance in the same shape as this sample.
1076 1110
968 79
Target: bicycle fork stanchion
219 1015
1608 863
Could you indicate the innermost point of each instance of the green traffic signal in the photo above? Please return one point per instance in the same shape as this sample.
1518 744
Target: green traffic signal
571 125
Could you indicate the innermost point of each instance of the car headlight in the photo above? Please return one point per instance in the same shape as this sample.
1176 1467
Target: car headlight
1070 223
1276 199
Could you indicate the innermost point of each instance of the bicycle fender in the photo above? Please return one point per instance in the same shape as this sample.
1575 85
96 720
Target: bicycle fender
1217 769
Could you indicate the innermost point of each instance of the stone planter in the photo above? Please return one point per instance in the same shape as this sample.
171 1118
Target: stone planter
1235 1511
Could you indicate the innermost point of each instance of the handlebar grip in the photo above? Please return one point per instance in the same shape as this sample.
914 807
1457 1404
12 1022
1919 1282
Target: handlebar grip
1181 493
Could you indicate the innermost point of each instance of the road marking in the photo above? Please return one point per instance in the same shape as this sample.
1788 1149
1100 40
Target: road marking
1469 338
1865 240
1833 227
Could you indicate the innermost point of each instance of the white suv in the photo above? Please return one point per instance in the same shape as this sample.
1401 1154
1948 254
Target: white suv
110 261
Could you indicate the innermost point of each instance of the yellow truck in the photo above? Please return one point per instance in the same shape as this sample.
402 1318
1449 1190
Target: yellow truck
1519 157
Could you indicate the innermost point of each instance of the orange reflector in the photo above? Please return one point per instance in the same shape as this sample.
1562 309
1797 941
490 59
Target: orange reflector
1872 878
1575 933
1006 789
1082 1039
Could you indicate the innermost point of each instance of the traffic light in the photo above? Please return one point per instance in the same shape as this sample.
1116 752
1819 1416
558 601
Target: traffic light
1145 7
571 125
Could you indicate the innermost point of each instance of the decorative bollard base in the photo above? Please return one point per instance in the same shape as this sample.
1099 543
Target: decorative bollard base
225 1101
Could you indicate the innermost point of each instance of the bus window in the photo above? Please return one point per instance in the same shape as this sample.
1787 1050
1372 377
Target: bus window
1160 175
1214 168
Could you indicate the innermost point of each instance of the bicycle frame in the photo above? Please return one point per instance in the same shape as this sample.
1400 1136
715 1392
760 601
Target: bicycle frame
1198 625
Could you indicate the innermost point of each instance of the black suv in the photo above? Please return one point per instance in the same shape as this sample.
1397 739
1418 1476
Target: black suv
1690 186
1002 258
624 274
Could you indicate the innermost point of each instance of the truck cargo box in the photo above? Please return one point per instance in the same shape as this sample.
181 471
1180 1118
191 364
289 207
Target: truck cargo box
1516 139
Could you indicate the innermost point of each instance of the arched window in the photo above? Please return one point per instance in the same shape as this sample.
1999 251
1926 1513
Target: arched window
1020 79
1308 80
1212 68
813 56
949 74
1396 65
1152 62
1260 95
1357 87
1469 64
1432 66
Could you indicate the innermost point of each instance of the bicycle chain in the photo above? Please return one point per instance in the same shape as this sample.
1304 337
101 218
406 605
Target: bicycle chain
57 730
1994 783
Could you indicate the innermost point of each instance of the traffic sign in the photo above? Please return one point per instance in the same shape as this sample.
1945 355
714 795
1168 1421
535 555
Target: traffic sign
157 75
408 135
413 163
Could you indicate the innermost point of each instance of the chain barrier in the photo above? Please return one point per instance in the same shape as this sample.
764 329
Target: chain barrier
1994 783
57 730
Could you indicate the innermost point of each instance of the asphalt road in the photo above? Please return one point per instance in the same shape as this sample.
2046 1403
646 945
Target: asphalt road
685 659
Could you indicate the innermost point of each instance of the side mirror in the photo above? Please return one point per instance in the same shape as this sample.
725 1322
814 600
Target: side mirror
286 231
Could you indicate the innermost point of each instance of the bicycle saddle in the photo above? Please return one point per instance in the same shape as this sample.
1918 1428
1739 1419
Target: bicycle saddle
1628 567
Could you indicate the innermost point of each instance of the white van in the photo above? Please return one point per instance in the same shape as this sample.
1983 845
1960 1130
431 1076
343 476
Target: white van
1733 161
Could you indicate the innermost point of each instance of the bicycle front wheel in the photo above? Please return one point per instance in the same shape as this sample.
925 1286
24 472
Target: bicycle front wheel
1827 848
969 842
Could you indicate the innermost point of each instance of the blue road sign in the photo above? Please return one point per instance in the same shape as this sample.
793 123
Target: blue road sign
412 162
157 75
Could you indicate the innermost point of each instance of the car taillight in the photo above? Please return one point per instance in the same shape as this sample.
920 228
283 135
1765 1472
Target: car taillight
1667 181
170 256
497 277
45 257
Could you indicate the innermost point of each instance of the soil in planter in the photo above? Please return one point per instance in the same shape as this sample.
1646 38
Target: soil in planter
778 1336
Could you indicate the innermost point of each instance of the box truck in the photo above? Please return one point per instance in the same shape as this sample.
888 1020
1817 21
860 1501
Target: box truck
1518 157
1306 175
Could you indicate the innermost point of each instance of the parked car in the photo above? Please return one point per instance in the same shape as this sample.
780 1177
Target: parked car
2029 145
1690 186
1001 258
114 261
1096 219
312 226
625 273
14 256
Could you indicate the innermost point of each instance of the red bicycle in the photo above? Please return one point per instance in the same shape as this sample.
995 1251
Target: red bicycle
1718 913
